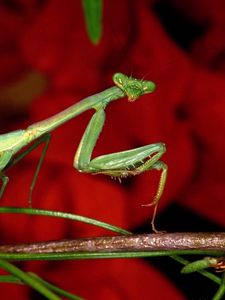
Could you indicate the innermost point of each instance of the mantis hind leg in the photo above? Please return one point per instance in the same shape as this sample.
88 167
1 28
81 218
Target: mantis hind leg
5 181
44 139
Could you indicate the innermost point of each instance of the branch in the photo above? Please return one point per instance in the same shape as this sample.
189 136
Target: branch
120 244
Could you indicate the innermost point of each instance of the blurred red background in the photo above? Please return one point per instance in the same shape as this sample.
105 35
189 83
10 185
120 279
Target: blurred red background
47 63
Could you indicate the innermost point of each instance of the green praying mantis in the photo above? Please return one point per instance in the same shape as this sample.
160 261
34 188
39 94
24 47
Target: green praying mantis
117 165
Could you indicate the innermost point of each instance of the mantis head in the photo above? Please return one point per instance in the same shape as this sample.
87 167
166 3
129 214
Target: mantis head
132 87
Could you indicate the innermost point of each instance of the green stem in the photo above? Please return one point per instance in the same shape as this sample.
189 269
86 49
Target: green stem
70 256
221 290
31 281
57 290
58 214
10 279
54 288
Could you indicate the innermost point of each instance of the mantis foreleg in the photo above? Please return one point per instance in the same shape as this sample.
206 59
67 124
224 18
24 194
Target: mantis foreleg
83 155
120 164
160 166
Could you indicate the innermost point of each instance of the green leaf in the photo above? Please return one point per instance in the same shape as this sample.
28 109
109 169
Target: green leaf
93 19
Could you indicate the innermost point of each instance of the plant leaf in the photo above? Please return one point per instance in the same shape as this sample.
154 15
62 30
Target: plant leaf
93 19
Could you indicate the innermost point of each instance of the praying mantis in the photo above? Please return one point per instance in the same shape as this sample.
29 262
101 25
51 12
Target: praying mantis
117 165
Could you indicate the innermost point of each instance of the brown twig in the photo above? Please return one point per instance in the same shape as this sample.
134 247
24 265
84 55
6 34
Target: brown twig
130 243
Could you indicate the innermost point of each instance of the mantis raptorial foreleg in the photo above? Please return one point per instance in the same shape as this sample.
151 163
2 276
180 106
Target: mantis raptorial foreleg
119 164
160 166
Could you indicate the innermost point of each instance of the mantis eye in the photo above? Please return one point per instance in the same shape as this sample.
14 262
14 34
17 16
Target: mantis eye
148 86
120 79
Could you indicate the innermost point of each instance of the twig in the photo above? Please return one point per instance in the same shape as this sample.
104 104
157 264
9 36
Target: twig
142 243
